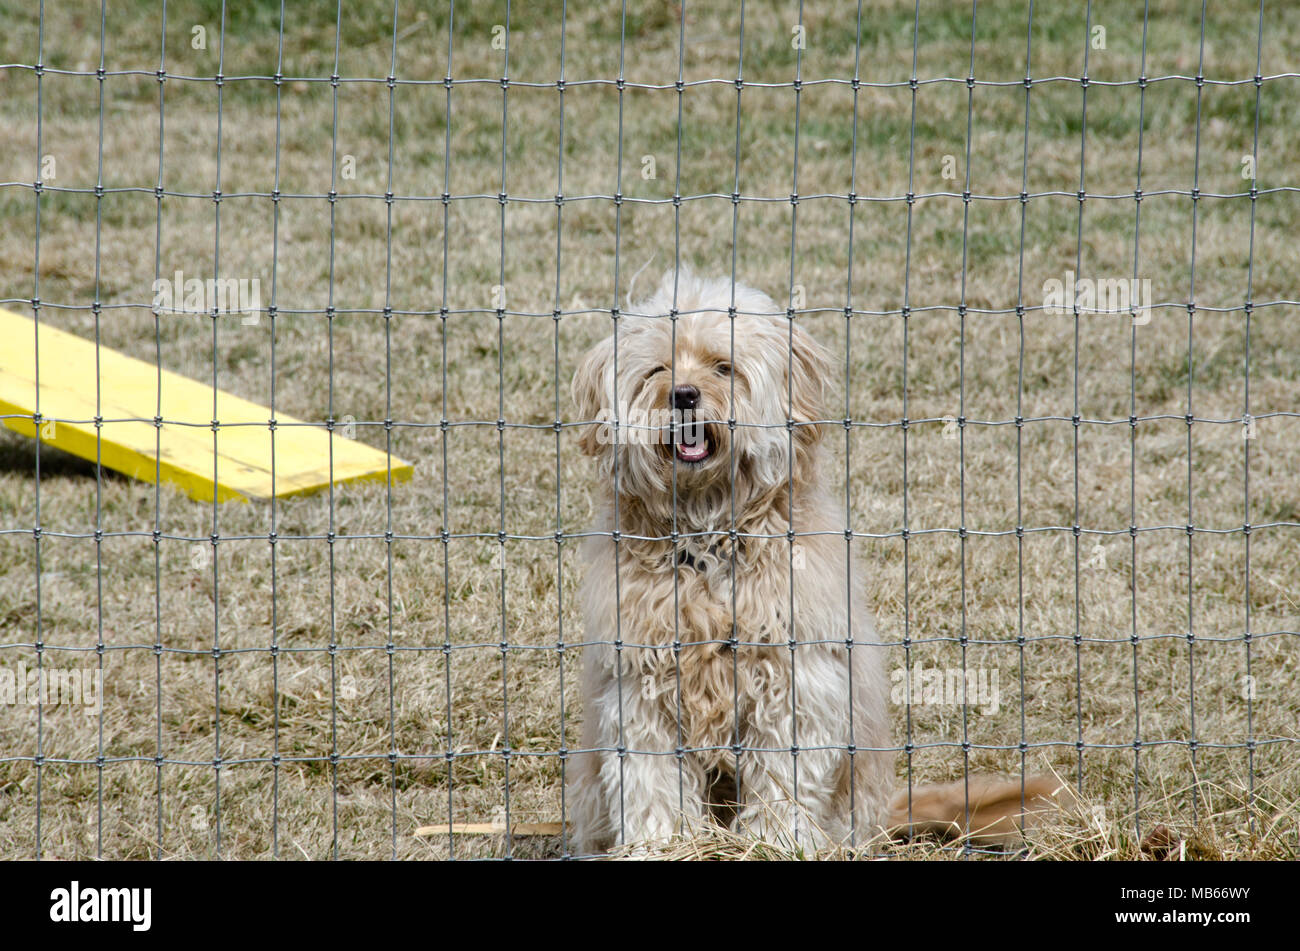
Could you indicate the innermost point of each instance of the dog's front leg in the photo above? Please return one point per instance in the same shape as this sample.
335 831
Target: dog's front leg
642 793
788 795
794 783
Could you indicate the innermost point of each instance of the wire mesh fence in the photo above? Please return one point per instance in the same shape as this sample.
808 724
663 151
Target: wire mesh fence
1036 240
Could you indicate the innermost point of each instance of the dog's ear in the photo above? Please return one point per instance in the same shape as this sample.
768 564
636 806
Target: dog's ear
591 386
811 367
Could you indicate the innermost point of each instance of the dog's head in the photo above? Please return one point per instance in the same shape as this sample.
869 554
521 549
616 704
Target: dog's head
675 387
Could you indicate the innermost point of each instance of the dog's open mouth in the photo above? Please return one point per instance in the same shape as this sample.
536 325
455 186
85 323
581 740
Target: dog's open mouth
692 444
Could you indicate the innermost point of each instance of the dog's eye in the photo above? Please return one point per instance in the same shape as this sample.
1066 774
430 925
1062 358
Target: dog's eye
723 369
654 372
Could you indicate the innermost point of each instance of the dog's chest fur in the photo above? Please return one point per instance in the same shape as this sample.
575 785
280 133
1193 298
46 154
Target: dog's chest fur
693 636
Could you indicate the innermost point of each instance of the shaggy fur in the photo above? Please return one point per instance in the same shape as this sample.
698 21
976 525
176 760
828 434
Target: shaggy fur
710 533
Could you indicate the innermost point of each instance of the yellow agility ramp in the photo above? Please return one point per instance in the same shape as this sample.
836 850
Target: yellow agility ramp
181 450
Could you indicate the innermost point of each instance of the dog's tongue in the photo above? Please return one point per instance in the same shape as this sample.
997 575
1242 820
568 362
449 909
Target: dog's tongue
693 453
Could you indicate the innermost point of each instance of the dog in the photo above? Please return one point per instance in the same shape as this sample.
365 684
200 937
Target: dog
731 670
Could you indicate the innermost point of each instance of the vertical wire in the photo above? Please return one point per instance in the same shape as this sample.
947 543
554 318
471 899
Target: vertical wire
273 536
157 458
99 451
736 744
848 432
616 533
1191 368
390 647
905 314
1246 421
1020 404
1132 474
674 420
1075 419
216 430
559 498
39 643
444 529
789 432
961 433
329 417
501 437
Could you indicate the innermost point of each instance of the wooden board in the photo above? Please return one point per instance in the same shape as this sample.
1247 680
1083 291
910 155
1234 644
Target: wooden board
492 828
182 449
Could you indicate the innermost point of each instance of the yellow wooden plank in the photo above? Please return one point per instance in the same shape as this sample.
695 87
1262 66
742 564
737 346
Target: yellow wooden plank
129 388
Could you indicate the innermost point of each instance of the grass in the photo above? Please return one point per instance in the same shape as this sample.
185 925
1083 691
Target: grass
449 687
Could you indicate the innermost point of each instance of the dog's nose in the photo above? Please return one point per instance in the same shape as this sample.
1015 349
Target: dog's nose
685 397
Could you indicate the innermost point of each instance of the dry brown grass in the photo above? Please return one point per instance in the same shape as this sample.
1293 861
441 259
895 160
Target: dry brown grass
448 611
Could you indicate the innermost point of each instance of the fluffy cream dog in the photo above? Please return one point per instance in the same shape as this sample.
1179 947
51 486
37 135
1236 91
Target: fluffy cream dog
731 672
